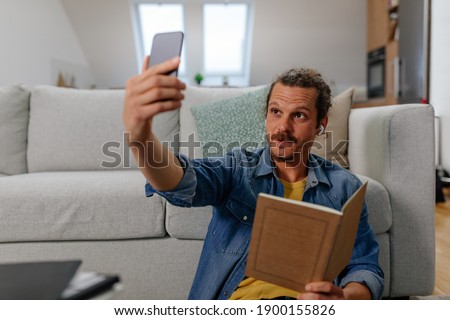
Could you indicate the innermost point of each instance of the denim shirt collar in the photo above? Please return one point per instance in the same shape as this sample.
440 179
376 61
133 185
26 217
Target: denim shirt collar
264 165
316 174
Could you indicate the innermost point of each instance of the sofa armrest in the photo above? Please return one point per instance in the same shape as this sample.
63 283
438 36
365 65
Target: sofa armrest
395 146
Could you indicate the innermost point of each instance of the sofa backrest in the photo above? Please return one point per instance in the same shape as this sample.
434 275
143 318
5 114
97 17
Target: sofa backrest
82 130
14 107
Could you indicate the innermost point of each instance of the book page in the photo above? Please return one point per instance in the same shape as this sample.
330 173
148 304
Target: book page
291 242
345 239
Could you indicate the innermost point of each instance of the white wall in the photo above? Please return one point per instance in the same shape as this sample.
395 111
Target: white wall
36 39
105 31
440 72
329 35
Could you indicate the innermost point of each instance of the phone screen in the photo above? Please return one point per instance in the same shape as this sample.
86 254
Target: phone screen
166 46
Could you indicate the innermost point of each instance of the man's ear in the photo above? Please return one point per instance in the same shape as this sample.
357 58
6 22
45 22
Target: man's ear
324 121
322 126
321 130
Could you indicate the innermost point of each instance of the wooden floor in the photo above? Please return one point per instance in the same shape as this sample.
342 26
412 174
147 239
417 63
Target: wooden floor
442 222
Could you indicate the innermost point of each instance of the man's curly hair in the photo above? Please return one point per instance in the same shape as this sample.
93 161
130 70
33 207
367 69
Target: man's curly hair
306 78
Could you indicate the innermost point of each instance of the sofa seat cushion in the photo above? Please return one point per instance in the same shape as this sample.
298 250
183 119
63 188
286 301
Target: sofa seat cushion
378 205
85 205
192 223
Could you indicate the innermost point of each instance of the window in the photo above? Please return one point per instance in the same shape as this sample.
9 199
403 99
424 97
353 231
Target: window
152 18
225 38
217 36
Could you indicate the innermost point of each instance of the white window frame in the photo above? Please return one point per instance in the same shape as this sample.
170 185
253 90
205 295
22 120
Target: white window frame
248 33
137 28
240 79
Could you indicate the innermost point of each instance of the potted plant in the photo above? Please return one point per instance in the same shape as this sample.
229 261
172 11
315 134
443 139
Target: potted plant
198 78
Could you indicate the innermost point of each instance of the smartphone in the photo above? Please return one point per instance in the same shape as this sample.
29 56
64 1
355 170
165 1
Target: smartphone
166 45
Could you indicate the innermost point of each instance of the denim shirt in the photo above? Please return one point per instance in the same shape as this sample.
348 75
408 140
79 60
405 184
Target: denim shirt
231 185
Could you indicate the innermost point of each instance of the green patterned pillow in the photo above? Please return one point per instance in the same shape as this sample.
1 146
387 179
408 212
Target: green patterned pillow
234 122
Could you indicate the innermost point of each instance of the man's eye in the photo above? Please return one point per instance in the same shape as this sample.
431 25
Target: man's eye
299 115
275 111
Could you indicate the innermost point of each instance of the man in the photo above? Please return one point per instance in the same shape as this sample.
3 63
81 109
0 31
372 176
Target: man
297 107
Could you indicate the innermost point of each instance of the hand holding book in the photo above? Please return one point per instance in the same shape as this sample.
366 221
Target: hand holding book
296 243
325 290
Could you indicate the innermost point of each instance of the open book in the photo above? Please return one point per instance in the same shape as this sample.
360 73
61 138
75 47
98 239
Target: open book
294 242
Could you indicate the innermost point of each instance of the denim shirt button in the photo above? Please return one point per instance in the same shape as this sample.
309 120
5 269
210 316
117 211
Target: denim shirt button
244 218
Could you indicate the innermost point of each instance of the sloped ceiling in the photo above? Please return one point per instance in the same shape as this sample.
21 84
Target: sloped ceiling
328 35
104 30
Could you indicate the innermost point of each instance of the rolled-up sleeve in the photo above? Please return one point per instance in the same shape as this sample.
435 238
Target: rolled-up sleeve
184 192
372 281
363 267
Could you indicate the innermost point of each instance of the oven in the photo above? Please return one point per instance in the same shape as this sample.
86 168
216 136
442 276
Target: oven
376 73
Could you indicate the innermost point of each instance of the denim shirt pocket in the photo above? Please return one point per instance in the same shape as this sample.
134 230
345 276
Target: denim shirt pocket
232 226
241 210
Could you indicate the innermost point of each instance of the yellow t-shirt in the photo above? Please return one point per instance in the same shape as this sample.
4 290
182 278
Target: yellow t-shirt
252 289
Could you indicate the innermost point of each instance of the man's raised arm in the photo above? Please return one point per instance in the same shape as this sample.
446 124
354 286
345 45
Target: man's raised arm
147 95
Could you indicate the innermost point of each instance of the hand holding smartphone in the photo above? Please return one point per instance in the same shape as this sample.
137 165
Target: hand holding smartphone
166 46
162 96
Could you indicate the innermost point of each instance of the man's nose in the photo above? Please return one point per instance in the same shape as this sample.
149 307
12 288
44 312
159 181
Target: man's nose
284 124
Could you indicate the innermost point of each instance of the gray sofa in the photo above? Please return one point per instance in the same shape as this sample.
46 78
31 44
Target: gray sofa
69 189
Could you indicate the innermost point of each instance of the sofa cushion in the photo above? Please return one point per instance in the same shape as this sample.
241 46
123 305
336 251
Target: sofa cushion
83 130
378 205
234 122
85 205
192 223
333 145
14 103
199 96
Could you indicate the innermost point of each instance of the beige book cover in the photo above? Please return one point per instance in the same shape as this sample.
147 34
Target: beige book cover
294 242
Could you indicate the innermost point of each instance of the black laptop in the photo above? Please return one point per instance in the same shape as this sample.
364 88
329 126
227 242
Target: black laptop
51 280
36 280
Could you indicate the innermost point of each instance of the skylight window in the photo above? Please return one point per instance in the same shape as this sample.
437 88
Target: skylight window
153 18
225 38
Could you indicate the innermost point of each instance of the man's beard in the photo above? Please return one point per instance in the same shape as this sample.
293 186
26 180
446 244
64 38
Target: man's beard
282 137
283 159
